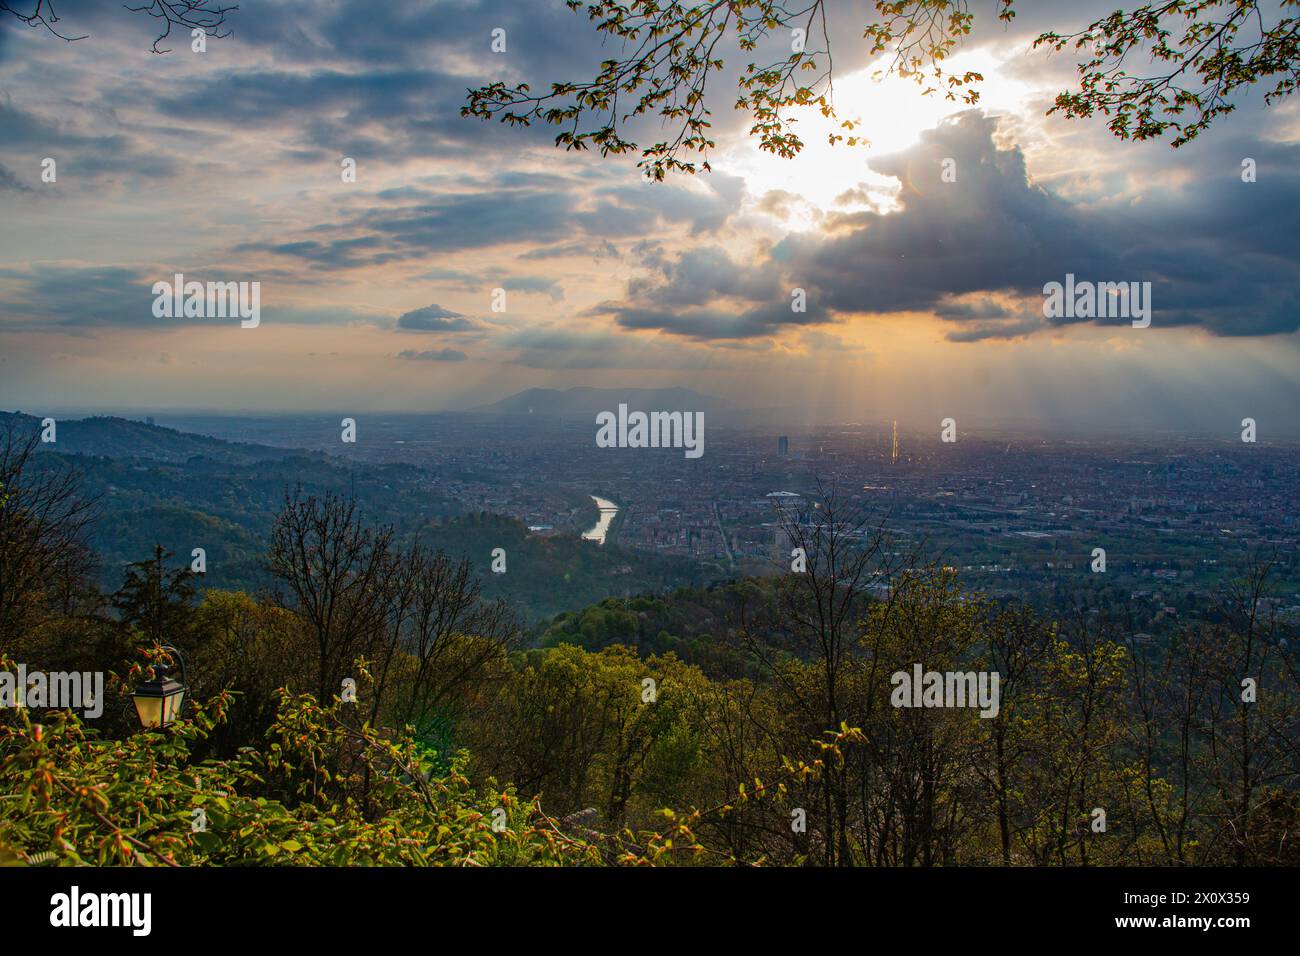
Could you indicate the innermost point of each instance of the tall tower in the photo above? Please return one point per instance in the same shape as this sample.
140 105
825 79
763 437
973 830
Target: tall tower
893 455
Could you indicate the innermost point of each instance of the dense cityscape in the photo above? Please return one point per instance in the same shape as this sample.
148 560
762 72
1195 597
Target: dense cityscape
1018 516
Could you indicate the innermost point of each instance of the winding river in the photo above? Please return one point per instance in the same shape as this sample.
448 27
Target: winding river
607 511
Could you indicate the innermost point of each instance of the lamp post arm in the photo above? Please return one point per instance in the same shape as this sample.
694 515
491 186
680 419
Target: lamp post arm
185 682
180 657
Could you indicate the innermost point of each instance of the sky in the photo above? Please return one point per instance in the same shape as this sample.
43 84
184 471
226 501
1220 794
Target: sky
924 297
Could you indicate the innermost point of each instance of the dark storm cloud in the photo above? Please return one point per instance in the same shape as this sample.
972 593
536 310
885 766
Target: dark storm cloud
540 36
595 250
1219 253
433 355
334 254
89 297
691 296
434 318
448 223
717 324
550 337
701 275
26 139
418 221
985 319
990 230
472 220
11 182
1228 251
71 296
534 284
382 115
342 71
980 310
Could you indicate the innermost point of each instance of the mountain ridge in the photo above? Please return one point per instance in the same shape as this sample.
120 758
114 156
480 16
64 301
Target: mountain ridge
110 436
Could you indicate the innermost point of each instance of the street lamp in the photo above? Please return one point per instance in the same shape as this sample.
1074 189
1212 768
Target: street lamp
158 700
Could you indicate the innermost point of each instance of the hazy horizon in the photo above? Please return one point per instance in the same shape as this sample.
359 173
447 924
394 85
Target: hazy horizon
974 427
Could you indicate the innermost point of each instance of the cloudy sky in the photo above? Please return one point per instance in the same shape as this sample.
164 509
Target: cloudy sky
924 297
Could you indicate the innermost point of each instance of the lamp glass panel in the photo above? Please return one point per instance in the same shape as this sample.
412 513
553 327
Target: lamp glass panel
149 709
174 705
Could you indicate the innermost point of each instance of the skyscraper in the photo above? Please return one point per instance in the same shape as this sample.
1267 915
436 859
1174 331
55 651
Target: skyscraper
783 446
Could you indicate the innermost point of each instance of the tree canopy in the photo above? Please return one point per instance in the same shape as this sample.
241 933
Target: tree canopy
1202 52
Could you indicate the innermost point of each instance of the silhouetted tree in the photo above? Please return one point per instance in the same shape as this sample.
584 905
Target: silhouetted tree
182 15
157 600
44 561
334 568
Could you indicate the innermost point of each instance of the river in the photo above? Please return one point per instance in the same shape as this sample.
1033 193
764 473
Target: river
607 511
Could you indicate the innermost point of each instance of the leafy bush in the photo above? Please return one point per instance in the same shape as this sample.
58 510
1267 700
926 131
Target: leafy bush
322 790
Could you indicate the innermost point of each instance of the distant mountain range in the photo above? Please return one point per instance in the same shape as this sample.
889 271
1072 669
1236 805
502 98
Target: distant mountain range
585 402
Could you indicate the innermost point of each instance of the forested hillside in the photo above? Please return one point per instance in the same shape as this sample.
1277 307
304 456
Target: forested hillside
152 485
380 706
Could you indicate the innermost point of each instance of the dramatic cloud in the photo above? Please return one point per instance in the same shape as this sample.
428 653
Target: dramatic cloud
227 166
977 250
9 181
709 324
80 156
992 231
433 355
72 296
434 318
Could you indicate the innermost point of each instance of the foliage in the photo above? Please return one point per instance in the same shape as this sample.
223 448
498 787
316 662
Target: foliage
321 791
155 599
382 712
1219 45
671 49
